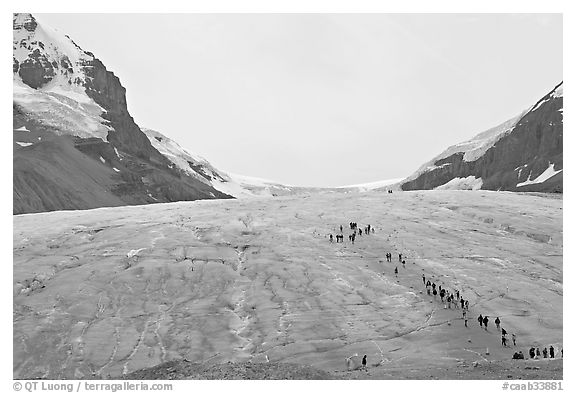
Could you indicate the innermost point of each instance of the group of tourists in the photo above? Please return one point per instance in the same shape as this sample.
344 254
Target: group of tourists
546 353
352 236
450 299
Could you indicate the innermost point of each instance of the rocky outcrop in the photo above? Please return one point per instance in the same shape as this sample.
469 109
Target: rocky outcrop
514 162
107 91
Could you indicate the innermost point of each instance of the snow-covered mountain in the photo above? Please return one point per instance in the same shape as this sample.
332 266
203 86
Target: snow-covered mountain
524 153
76 146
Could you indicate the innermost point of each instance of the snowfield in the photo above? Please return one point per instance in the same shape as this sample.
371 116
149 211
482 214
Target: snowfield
109 291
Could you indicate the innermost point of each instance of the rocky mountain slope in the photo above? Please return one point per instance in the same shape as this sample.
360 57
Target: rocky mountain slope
76 146
521 154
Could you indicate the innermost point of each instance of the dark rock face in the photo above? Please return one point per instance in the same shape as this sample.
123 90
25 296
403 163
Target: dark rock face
36 70
534 143
107 91
29 23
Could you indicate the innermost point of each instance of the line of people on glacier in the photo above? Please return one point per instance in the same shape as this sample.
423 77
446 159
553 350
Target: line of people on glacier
483 320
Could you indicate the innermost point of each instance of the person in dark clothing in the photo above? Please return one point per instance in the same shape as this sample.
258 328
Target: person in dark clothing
434 285
404 263
537 351
503 341
457 295
462 303
504 332
545 353
428 283
485 323
480 319
331 238
466 304
364 361
497 322
396 270
360 231
423 279
513 338
551 352
340 228
399 257
531 353
434 292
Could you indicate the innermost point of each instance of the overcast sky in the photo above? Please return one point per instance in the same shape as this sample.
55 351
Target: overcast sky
323 99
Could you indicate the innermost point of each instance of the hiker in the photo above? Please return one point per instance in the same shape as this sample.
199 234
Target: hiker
435 292
399 257
545 353
423 279
551 352
466 304
340 228
331 238
497 322
465 321
448 301
364 361
485 323
360 231
372 230
457 295
396 270
463 313
353 237
514 339
442 294
462 303
428 290
428 283
503 341
520 355
504 332
538 352
531 353
404 263
434 285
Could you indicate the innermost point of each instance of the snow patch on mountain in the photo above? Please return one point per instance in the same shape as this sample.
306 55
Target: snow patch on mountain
63 114
547 174
462 183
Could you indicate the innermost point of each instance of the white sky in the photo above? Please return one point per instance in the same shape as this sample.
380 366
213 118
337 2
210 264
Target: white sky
323 99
